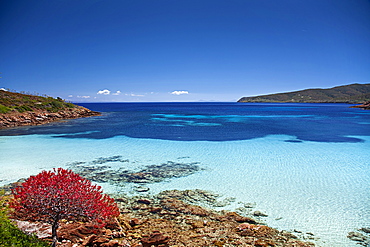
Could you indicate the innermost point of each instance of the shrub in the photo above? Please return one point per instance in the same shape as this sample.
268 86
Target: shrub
61 194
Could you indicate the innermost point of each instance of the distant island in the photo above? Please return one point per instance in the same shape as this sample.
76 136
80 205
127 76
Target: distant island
19 109
351 94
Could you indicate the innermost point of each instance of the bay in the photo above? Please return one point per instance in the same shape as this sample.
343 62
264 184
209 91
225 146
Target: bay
305 165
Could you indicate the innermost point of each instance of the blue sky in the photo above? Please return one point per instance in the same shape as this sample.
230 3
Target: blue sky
181 50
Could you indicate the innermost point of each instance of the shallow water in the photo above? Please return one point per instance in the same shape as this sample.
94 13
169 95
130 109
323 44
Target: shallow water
305 165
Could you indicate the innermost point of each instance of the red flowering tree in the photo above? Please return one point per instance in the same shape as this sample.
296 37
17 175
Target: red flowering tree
62 194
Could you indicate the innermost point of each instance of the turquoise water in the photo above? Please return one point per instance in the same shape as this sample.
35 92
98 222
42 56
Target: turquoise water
262 154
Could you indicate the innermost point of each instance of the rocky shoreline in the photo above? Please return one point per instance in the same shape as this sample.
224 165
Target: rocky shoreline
164 220
171 218
365 106
174 218
37 117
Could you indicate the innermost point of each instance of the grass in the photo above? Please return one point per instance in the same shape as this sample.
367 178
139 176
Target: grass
12 236
17 102
4 109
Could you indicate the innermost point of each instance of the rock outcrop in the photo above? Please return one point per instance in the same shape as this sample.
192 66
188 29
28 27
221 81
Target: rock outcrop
166 221
15 119
171 222
365 106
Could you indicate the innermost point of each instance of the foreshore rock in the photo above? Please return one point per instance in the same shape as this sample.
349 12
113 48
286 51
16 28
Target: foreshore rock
177 223
166 221
15 119
172 218
365 106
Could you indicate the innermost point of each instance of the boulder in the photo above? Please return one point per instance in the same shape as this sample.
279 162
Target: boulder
156 238
259 214
41 230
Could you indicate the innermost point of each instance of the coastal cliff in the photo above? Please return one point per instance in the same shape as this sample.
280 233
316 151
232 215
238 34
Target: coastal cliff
18 109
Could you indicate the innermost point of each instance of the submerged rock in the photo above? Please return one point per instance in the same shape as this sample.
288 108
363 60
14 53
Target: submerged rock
158 173
259 214
365 229
356 236
141 189
201 197
97 172
359 237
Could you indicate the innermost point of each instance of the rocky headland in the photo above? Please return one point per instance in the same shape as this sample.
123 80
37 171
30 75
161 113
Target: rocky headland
17 109
351 94
37 117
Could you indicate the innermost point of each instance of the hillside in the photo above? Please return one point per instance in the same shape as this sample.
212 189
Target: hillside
18 109
353 94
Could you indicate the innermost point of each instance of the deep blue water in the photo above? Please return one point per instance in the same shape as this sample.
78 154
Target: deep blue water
213 122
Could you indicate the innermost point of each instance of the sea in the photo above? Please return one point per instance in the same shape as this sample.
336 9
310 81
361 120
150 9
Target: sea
306 166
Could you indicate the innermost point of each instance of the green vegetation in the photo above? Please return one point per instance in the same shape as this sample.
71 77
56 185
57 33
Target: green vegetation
10 235
4 109
10 102
353 94
23 108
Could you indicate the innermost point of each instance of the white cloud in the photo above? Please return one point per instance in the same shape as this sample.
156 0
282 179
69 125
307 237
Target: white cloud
135 95
83 97
117 93
3 89
105 92
70 96
179 92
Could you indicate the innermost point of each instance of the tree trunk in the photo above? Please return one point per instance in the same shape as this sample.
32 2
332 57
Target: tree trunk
54 228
